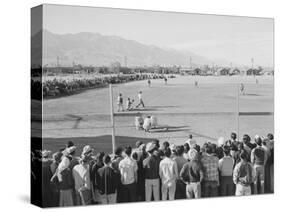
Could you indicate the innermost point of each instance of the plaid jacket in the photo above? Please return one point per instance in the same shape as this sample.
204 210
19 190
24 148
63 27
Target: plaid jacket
211 167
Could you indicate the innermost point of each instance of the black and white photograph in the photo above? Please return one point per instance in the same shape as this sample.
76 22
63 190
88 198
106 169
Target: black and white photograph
142 106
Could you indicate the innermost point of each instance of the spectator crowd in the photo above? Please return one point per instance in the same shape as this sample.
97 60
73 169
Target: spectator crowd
154 171
62 87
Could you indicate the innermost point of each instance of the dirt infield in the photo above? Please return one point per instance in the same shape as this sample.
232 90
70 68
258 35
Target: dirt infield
207 111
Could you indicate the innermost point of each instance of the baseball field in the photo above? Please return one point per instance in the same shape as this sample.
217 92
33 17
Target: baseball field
207 111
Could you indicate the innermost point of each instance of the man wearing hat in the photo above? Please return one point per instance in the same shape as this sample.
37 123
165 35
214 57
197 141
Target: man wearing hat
81 176
192 175
151 172
87 150
69 154
128 171
65 182
69 161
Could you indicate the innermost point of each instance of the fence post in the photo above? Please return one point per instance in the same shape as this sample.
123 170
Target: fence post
112 117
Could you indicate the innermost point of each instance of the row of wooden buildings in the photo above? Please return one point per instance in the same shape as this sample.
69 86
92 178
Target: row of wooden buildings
224 71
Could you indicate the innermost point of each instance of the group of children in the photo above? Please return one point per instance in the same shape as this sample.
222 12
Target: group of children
129 103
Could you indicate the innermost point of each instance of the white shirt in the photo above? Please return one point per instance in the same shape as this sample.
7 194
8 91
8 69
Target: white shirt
168 171
128 167
81 176
147 123
140 96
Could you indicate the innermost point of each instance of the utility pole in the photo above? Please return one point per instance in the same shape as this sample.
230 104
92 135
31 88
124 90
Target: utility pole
112 117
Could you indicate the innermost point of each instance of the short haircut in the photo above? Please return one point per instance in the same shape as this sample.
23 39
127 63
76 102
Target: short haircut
166 144
244 155
214 147
197 147
100 156
270 136
209 149
106 159
233 135
186 147
204 147
69 144
167 152
179 150
226 150
135 156
128 150
190 136
246 138
258 141
118 151
156 142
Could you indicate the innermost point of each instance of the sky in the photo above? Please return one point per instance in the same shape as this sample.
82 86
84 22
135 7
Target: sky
230 39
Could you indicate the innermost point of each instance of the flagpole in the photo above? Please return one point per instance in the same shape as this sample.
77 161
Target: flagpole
112 118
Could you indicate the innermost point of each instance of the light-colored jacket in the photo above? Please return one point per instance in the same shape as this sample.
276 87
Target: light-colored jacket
168 171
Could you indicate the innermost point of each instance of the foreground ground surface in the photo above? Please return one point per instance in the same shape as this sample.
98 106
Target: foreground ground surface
207 111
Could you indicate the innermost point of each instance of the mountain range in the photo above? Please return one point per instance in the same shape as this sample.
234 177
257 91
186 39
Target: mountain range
87 48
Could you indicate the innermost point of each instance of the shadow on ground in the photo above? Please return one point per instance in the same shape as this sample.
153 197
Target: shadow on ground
167 129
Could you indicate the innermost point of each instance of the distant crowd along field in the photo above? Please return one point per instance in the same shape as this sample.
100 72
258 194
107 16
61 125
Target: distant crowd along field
67 85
